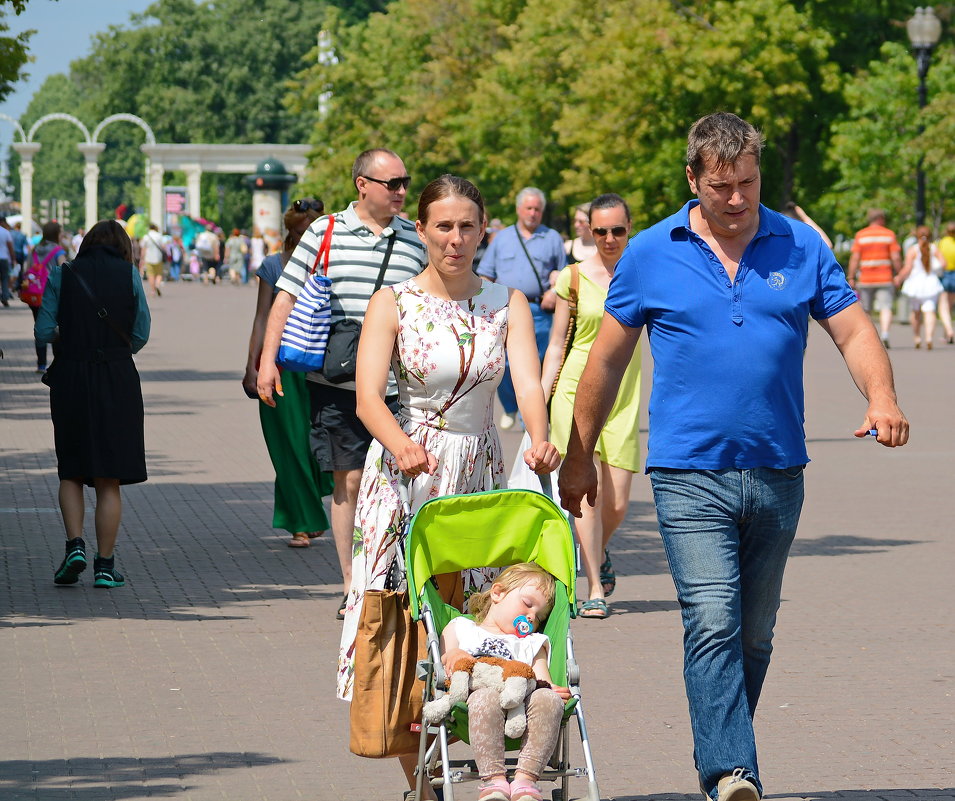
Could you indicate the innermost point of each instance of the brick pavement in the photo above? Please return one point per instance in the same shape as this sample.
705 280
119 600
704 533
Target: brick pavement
210 676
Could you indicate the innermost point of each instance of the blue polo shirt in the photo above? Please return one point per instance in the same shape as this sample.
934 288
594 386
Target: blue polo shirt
505 262
727 356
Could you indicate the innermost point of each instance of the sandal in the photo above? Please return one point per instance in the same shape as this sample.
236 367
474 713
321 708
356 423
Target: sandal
607 576
341 609
596 607
315 534
299 540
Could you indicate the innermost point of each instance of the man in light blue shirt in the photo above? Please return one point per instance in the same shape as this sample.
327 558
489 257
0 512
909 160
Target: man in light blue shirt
725 289
526 256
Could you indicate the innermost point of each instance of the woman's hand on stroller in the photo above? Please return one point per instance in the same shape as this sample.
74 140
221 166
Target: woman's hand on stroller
413 460
542 458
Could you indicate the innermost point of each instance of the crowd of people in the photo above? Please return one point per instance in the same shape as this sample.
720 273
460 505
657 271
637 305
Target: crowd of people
725 289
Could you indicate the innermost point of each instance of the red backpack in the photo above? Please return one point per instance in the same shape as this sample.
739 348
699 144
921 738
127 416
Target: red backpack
35 278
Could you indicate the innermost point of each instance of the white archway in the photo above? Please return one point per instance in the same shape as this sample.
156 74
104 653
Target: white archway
58 116
16 124
150 136
192 158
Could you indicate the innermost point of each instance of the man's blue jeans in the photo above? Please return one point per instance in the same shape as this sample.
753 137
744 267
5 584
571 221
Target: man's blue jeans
505 390
727 535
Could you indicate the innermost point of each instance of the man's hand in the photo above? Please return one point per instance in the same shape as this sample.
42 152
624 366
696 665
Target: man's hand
885 417
269 381
578 478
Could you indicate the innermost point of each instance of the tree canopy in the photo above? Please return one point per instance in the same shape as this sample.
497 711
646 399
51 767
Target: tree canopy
578 99
14 52
574 98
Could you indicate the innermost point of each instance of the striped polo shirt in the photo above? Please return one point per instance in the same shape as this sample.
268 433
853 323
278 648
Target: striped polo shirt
355 258
875 245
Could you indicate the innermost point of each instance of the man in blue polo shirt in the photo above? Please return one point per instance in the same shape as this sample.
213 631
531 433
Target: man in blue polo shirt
725 288
526 256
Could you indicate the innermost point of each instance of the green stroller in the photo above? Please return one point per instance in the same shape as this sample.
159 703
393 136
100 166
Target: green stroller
493 529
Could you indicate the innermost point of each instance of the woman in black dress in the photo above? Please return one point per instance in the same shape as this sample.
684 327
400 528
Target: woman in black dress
94 312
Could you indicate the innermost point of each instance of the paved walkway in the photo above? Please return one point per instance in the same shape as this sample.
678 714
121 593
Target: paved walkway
210 675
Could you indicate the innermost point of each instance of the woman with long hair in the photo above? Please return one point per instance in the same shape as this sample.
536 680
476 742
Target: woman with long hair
921 285
299 483
617 456
94 311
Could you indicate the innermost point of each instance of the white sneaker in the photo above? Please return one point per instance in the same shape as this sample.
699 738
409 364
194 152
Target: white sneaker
506 423
733 787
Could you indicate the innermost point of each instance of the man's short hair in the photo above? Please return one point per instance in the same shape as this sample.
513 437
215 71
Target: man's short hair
527 191
875 215
364 161
721 139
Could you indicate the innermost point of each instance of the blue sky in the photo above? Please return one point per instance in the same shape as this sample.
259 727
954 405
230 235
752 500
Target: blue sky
64 30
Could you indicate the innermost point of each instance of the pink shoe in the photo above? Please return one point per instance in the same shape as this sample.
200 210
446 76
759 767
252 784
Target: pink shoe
524 790
496 789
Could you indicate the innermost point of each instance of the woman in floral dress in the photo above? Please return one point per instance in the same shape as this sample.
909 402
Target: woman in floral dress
445 334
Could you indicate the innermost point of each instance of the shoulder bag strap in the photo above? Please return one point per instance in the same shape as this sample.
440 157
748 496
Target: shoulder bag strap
520 238
571 323
100 308
50 256
325 247
384 263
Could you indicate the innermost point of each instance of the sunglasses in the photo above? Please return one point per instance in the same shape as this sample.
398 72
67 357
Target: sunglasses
308 204
392 184
618 231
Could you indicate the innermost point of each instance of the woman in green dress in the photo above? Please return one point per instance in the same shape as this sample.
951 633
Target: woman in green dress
617 456
299 484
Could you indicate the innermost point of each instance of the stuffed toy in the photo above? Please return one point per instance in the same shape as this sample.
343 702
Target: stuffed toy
515 681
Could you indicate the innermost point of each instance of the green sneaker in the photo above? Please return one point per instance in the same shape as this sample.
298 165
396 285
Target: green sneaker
105 575
73 563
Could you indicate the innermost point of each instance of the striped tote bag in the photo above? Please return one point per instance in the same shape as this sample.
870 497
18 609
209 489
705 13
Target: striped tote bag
305 337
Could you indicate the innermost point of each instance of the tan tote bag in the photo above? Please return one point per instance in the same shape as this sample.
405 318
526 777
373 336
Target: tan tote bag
387 697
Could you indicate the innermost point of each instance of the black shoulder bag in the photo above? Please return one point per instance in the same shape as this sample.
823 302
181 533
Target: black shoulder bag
341 352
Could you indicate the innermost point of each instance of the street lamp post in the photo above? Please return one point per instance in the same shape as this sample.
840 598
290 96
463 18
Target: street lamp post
924 30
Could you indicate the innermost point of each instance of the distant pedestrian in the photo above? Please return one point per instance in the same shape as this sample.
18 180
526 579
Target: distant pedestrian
875 261
582 246
526 256
154 258
920 283
176 255
95 310
235 252
946 246
46 255
258 250
8 258
300 484
207 248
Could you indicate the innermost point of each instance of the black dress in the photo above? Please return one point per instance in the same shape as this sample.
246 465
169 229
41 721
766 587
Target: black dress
95 396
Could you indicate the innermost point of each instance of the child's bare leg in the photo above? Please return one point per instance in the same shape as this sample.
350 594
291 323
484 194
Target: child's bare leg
544 712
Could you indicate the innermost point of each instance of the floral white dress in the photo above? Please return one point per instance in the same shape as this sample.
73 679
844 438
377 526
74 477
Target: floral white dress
448 360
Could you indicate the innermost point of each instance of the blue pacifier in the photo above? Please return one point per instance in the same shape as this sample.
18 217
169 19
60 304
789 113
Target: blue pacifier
522 626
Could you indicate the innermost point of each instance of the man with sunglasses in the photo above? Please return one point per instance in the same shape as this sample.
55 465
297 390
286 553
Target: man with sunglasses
527 256
725 288
371 245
